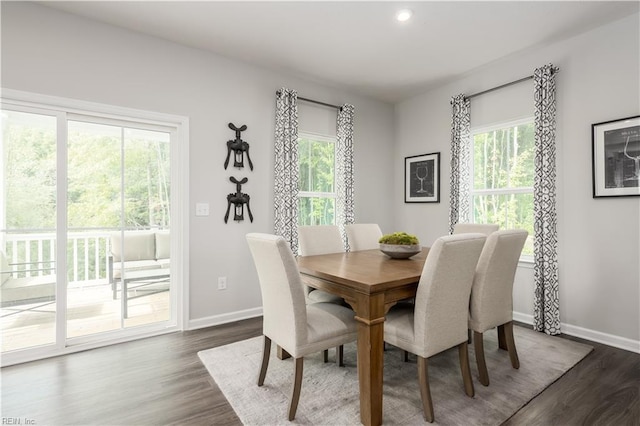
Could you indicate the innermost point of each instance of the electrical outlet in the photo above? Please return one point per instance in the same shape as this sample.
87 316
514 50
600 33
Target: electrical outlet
222 283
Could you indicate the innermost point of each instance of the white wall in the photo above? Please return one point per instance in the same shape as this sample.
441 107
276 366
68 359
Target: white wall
49 52
599 239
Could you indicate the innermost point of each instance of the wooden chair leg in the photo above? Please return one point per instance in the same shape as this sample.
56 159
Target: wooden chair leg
511 345
425 391
405 356
266 352
466 370
478 344
468 335
325 355
502 341
340 356
297 384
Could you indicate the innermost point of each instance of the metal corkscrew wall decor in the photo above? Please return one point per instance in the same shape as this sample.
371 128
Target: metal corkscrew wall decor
239 147
238 199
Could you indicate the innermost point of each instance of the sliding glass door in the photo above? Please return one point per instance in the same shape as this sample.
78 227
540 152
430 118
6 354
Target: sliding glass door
28 210
118 203
92 260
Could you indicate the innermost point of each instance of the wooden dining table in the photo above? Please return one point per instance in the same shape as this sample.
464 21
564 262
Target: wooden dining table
371 282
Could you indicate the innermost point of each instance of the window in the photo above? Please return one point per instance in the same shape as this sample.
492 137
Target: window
502 177
317 193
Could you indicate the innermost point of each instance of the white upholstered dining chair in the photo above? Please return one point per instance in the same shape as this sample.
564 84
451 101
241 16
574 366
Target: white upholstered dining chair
363 236
320 239
299 328
438 320
482 228
492 295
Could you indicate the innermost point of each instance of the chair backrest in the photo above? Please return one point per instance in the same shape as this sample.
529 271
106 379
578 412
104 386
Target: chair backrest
320 239
442 299
283 304
492 292
482 228
363 236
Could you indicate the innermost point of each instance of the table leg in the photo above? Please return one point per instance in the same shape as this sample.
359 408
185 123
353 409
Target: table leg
370 317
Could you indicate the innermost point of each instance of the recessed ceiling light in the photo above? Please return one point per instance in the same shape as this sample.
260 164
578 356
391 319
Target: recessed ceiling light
404 15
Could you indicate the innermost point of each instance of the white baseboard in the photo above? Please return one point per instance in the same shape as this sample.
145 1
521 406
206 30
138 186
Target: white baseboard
571 330
224 318
585 333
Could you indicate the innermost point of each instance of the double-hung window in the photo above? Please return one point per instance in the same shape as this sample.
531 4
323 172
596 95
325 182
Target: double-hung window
317 190
502 175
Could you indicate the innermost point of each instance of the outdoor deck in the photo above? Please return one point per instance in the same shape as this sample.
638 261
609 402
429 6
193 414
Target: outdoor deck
91 309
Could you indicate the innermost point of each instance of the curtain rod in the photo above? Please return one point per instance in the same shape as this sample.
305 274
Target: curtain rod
319 103
316 102
555 70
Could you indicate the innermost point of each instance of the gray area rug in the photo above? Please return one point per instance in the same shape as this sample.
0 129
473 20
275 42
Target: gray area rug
330 394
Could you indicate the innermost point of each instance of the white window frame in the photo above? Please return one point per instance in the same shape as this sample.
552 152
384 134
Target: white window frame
525 258
320 138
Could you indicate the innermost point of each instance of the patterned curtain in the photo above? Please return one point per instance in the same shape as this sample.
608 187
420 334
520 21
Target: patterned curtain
546 305
460 156
344 170
286 167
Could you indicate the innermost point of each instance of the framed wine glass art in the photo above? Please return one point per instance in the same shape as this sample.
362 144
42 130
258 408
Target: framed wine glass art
616 158
422 178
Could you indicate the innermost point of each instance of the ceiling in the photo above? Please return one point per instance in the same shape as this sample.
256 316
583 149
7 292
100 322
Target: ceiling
359 46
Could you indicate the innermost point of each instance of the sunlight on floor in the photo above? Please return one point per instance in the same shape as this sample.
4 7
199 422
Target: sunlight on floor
90 310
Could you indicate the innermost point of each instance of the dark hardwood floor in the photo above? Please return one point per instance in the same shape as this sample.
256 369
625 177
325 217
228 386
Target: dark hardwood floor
160 381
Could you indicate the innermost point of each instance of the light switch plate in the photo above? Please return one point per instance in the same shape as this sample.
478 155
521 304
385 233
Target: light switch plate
202 209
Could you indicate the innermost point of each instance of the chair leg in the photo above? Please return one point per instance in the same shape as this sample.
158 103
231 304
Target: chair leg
266 351
502 340
340 356
466 371
297 384
478 344
511 344
425 392
468 335
405 356
325 355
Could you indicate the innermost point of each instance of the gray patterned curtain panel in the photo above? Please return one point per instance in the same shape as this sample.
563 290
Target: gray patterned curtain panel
286 167
546 304
344 170
460 155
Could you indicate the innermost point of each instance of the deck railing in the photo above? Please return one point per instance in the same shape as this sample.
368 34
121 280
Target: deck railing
33 254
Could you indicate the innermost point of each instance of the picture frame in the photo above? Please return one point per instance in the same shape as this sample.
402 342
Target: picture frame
422 178
616 157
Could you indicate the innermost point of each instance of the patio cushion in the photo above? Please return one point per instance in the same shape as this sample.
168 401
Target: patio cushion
17 291
143 250
135 265
138 246
163 245
5 269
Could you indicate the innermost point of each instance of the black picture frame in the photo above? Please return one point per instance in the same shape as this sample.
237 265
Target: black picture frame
422 178
616 157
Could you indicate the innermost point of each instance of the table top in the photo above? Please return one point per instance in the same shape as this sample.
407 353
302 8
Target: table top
369 271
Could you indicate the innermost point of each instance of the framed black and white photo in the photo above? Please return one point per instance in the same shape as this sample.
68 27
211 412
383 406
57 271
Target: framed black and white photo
616 158
422 178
